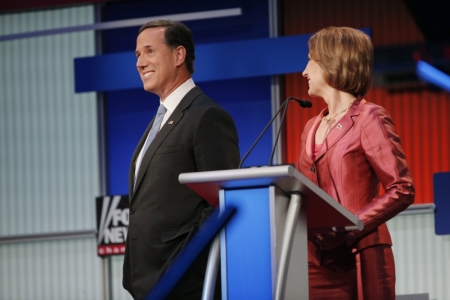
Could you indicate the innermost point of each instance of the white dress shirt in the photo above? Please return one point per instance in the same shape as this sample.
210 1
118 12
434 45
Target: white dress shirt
170 103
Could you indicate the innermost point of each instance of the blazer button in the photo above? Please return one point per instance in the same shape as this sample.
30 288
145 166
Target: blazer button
131 211
313 169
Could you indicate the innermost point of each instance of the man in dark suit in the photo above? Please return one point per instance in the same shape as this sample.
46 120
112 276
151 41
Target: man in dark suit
195 134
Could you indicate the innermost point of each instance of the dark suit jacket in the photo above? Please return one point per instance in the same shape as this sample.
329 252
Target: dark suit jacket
361 151
198 136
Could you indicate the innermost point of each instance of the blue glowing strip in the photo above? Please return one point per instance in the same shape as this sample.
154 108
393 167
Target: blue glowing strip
190 252
431 74
219 61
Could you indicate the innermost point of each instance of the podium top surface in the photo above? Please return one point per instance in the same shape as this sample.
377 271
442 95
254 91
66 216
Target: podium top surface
322 209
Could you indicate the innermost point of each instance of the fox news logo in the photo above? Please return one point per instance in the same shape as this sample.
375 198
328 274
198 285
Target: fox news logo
112 224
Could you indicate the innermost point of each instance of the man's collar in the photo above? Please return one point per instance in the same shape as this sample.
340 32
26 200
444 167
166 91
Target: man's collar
172 101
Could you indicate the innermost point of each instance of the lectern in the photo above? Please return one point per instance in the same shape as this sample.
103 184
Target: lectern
263 249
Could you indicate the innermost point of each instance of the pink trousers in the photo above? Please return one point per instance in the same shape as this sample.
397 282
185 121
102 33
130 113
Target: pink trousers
367 275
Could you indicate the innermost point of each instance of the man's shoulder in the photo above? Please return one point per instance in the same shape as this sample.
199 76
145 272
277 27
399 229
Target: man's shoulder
200 99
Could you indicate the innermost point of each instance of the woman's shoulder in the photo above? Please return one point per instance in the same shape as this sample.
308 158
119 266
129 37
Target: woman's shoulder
367 107
372 113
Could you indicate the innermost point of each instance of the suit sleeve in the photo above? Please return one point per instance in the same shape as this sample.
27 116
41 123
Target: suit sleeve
216 141
215 145
381 146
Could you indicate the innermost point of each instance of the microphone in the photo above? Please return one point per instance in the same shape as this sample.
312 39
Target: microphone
302 103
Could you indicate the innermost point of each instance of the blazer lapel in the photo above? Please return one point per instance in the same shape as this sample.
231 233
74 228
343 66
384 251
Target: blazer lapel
135 156
340 128
311 138
338 131
170 124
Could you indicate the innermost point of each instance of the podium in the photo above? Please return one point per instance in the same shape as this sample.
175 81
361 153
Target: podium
263 248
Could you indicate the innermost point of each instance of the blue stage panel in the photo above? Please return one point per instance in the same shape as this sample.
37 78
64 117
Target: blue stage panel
218 61
250 226
442 201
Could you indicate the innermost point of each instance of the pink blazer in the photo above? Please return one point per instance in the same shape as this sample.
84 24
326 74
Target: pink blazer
361 151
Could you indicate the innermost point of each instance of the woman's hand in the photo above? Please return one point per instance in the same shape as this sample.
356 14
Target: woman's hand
328 241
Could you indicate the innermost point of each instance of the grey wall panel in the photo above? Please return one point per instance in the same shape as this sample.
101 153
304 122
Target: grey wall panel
48 136
118 292
49 174
50 270
422 258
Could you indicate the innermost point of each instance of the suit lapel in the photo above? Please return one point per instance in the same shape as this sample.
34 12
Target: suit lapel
338 130
135 156
170 124
311 138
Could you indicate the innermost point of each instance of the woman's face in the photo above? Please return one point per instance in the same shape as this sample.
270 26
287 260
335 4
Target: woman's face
316 82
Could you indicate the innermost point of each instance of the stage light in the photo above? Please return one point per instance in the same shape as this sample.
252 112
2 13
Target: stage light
431 74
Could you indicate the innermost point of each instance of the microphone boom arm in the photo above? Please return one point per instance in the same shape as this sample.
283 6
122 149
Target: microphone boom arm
302 103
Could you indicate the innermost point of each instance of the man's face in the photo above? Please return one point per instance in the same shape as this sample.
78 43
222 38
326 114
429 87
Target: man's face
156 62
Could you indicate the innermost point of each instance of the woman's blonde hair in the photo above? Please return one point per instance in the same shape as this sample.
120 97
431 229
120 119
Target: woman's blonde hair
346 57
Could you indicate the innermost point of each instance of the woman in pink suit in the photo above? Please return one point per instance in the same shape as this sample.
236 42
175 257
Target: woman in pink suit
348 150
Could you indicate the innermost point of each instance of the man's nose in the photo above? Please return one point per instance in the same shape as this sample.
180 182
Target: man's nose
140 62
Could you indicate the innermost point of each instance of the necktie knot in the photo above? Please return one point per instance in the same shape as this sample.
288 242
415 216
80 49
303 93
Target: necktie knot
161 109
